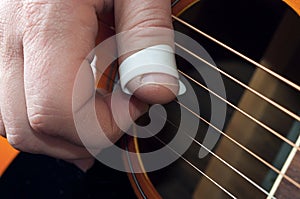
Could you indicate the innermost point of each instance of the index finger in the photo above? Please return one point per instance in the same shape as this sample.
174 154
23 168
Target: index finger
145 24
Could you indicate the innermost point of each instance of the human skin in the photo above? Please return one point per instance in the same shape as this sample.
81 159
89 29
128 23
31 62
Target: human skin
38 67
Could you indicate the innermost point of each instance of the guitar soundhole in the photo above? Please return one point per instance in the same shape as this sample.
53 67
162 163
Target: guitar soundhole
249 27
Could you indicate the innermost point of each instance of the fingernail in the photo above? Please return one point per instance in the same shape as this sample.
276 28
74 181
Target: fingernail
163 80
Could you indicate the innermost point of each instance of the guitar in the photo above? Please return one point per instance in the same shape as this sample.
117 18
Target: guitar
258 154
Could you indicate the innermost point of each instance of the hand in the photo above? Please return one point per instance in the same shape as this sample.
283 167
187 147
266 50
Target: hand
42 45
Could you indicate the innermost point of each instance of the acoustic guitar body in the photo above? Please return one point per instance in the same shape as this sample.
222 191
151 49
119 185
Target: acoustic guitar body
259 162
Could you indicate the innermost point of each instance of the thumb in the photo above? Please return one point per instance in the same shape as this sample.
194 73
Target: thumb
143 24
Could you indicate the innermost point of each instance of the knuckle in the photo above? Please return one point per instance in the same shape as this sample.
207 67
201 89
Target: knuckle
37 122
40 120
47 119
17 140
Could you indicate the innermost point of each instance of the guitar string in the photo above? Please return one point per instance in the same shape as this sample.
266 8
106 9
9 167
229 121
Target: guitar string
224 161
203 173
180 156
229 103
236 142
243 147
269 194
283 79
197 169
230 166
253 119
185 160
274 74
269 165
255 92
252 90
228 137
